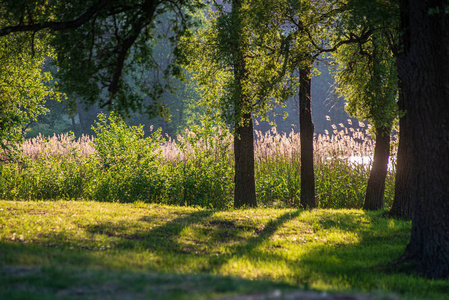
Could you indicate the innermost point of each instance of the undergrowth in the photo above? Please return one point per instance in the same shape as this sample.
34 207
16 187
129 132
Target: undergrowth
195 169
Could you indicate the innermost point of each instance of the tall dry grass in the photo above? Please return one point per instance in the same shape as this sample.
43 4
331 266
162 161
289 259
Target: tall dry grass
198 163
62 145
344 141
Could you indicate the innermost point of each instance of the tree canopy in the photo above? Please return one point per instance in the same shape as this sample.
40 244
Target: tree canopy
210 54
97 43
365 70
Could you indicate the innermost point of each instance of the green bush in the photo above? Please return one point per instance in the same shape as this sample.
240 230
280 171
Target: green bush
129 167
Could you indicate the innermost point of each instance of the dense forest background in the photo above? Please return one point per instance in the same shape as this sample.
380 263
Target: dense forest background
182 107
185 110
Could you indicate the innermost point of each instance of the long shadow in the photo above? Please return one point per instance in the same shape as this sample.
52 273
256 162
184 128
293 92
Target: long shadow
166 234
160 238
164 239
246 249
347 265
63 248
264 233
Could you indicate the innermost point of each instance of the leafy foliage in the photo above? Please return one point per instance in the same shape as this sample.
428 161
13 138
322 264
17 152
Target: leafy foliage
365 71
212 55
128 167
204 176
24 86
98 42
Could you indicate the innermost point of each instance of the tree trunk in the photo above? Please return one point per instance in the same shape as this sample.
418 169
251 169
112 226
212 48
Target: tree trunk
424 72
245 187
74 128
374 197
306 139
87 115
402 204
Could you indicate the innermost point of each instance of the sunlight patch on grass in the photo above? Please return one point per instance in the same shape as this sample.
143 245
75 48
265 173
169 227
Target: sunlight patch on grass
333 250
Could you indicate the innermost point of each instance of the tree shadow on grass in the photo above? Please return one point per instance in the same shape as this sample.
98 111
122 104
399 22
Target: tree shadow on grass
352 265
247 247
163 239
103 240
200 241
208 232
190 243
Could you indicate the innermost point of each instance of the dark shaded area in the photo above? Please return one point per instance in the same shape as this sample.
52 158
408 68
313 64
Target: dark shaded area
244 178
423 71
75 283
374 198
402 203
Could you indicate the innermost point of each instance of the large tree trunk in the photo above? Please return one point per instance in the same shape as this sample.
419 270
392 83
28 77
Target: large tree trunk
402 204
306 139
245 187
424 72
374 197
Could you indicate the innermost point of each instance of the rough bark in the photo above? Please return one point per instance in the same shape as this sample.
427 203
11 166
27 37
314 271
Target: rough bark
307 199
245 187
424 72
374 197
402 204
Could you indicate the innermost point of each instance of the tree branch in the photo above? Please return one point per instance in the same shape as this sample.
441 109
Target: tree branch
351 40
149 7
73 24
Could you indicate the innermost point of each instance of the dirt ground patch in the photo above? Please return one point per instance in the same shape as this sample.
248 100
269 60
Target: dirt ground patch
114 291
307 295
18 271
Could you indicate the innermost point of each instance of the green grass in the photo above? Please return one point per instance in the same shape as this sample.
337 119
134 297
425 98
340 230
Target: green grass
93 250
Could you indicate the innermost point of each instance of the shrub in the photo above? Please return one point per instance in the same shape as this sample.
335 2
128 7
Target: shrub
129 167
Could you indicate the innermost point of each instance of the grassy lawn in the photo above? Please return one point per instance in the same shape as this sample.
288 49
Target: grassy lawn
94 250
